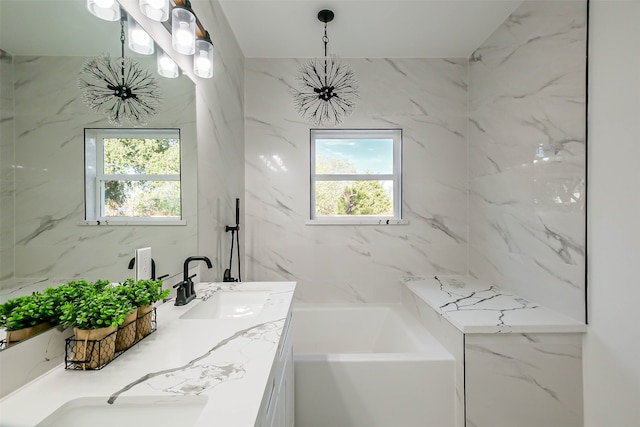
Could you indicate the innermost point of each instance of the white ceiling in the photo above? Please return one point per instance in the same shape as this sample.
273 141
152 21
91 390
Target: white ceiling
276 28
365 28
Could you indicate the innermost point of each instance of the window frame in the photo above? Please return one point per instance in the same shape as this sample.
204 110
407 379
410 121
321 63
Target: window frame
95 177
395 177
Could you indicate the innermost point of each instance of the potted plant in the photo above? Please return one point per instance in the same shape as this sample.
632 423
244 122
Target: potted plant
143 294
28 315
126 334
95 318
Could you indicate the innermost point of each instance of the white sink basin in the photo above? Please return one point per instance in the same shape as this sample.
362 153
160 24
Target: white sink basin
156 411
237 304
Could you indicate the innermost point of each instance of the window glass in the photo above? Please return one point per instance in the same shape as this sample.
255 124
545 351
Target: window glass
355 175
132 174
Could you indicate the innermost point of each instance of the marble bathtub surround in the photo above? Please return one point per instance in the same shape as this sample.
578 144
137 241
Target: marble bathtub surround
507 349
229 363
473 306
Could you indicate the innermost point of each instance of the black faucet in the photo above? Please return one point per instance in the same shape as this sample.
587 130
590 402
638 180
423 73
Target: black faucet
132 262
186 291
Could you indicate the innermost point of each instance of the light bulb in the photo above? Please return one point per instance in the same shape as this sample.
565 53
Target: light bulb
166 66
158 10
141 37
203 59
183 31
156 4
139 40
202 62
109 10
105 4
183 35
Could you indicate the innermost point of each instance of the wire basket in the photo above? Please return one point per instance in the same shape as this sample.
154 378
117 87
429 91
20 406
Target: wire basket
81 354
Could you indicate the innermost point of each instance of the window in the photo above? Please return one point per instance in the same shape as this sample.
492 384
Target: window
356 176
132 176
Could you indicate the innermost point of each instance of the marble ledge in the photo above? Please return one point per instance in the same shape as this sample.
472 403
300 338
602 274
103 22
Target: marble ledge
474 307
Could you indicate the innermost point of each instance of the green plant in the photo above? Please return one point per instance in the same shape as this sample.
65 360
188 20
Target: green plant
144 292
97 309
28 310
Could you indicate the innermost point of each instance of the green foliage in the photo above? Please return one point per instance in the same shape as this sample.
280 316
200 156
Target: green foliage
133 156
97 309
143 292
21 312
349 198
30 310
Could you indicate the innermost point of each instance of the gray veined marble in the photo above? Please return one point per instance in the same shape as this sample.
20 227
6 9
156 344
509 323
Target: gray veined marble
474 306
527 155
209 369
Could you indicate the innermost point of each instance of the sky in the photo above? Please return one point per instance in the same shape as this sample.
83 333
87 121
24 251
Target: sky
368 155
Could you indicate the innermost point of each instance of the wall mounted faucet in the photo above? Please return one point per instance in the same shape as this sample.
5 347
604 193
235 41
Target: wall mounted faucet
186 291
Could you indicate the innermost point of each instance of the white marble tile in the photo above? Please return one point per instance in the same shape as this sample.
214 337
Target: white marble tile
474 306
7 171
427 99
524 380
527 155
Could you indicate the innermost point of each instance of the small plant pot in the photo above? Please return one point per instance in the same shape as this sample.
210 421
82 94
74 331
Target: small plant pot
94 348
24 333
126 335
144 322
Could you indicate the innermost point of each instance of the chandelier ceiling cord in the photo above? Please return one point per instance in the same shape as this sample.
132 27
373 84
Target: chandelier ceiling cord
327 87
120 88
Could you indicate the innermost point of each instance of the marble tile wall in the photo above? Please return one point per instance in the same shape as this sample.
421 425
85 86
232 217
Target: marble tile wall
7 178
527 155
427 99
50 240
524 380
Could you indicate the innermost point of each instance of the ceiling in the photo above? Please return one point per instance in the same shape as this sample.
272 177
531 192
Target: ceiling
276 28
365 28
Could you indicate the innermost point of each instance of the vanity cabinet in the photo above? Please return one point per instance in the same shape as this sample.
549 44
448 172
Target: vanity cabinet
277 408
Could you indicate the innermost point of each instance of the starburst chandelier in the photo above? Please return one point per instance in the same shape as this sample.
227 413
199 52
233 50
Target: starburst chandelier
327 87
120 88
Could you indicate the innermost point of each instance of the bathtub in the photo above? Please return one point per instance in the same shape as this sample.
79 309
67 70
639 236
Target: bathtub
369 366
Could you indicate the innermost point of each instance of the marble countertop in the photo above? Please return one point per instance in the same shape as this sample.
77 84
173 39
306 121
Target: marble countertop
226 360
475 307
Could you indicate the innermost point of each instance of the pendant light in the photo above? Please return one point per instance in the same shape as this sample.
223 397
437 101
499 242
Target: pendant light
109 10
166 66
139 41
327 86
203 57
119 88
183 30
158 10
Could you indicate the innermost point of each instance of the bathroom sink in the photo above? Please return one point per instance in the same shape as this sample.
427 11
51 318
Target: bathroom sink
236 304
156 411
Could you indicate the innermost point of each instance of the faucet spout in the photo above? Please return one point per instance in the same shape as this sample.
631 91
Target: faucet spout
185 269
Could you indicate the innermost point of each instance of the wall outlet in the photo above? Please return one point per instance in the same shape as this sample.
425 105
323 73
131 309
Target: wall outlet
143 264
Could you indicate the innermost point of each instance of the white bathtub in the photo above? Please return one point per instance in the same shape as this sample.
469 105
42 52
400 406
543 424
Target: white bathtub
369 366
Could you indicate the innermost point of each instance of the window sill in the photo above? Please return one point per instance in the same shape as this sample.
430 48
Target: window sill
162 222
380 221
